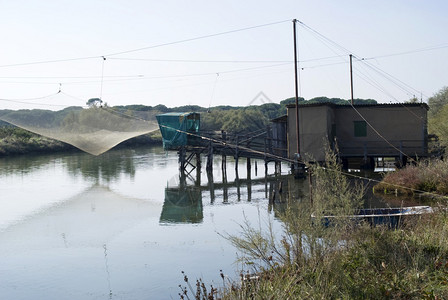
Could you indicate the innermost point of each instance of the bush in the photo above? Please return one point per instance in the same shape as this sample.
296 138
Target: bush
426 176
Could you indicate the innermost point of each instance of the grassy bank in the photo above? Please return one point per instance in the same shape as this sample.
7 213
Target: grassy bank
427 176
311 261
15 141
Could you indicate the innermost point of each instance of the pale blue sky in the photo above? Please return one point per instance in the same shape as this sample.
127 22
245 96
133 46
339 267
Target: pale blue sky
228 69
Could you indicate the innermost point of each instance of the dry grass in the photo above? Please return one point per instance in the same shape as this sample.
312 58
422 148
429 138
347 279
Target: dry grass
426 176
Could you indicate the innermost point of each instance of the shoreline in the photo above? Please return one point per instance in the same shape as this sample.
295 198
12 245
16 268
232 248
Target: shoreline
16 141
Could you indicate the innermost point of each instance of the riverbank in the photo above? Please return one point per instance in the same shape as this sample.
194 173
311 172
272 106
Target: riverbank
309 260
429 176
371 263
17 141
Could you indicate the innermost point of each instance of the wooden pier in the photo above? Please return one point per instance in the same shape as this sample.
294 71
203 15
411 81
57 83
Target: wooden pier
258 145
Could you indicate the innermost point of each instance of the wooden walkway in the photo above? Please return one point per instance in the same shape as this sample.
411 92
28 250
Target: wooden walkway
256 145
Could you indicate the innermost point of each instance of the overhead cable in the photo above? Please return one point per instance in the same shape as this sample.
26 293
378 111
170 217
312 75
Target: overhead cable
144 48
196 38
429 48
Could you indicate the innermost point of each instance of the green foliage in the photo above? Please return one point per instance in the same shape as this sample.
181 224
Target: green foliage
438 101
332 191
15 140
437 116
272 110
94 102
238 121
337 101
438 125
292 100
428 176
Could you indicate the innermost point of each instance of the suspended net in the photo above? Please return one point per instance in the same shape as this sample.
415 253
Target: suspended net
93 130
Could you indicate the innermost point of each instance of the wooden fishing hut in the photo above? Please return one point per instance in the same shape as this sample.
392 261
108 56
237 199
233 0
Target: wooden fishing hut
361 133
179 129
182 132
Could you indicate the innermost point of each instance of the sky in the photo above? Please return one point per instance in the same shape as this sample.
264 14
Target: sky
61 53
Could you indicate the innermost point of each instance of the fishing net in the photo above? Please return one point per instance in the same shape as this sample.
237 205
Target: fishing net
93 130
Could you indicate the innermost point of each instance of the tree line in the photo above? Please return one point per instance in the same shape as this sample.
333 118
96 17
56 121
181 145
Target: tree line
250 118
237 119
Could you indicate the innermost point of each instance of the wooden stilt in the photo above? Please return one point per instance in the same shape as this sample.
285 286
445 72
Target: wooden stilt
210 157
238 187
266 187
224 158
225 192
198 169
278 167
249 190
265 156
182 158
211 186
236 156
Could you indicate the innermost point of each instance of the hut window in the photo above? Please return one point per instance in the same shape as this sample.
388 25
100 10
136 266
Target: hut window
360 128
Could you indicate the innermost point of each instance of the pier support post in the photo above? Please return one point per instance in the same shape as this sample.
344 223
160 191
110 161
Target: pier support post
298 167
236 156
198 169
238 187
211 186
278 167
224 158
182 158
368 163
265 153
249 190
210 157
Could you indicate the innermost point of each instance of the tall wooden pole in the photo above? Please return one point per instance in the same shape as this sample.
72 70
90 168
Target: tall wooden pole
296 85
351 79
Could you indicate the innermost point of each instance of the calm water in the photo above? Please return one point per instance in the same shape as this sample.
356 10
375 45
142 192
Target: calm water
121 225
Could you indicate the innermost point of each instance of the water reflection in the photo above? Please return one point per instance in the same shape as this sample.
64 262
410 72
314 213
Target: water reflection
24 164
91 218
106 167
182 205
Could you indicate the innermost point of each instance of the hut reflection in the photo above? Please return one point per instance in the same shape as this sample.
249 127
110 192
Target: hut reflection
182 205
184 201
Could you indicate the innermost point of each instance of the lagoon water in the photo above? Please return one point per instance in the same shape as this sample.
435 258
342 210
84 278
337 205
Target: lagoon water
122 225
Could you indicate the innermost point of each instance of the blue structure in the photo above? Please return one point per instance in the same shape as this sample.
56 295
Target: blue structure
175 129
